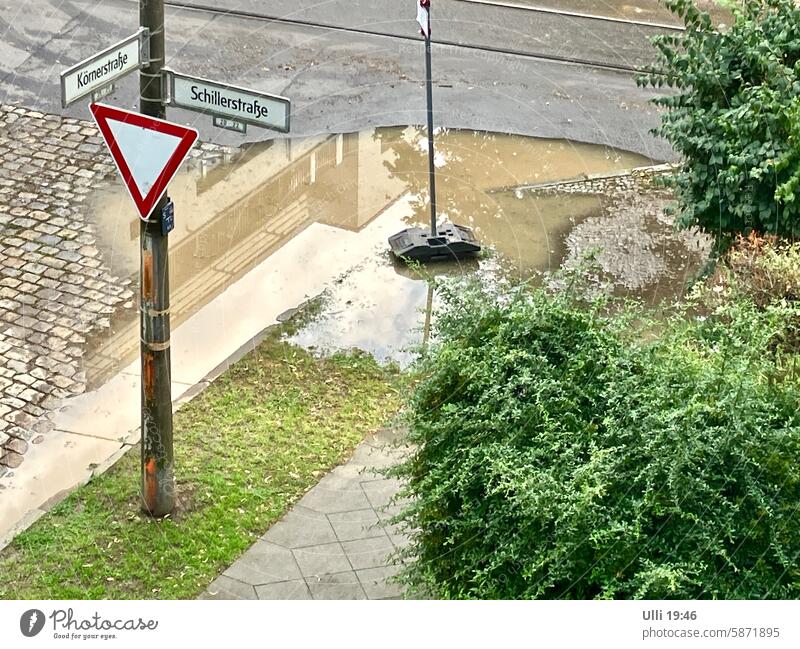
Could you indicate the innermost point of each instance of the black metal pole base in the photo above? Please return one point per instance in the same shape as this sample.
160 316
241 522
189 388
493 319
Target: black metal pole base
451 242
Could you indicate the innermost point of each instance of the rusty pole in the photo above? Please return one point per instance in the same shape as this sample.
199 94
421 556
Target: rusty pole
158 477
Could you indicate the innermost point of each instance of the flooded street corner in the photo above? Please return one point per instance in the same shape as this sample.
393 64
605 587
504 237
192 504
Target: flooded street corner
262 230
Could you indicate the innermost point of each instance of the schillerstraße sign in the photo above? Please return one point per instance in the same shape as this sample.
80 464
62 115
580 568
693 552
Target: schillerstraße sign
224 100
98 71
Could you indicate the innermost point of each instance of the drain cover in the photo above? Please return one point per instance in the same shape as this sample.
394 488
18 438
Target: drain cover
451 242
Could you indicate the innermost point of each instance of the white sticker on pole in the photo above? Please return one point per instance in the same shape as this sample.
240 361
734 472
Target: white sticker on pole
423 17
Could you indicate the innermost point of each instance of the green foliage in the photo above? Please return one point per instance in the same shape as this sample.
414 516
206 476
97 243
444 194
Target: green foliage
734 116
563 452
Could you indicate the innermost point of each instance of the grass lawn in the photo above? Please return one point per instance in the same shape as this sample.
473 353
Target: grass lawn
245 450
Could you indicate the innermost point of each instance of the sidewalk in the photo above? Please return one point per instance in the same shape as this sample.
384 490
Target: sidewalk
332 544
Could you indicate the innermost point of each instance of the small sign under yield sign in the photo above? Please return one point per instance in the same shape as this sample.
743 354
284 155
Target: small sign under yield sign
147 151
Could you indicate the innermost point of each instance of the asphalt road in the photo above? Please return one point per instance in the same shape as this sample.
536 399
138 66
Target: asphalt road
340 81
469 23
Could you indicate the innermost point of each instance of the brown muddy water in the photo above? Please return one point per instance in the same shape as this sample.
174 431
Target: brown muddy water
235 211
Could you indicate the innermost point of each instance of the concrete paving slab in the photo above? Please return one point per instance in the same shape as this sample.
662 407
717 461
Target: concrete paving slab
344 585
301 527
381 493
370 456
358 524
353 471
325 559
368 553
378 584
294 589
336 496
264 563
226 588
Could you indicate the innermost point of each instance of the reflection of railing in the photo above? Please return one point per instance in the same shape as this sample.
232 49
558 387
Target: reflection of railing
326 156
202 286
204 263
240 256
241 219
240 236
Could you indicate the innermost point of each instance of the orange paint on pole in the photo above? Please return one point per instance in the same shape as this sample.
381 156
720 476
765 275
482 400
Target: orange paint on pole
150 484
148 376
147 275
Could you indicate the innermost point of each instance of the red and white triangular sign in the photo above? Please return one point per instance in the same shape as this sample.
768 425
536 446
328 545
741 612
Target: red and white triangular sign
147 151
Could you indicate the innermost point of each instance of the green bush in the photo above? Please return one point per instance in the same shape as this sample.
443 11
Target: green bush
735 117
566 453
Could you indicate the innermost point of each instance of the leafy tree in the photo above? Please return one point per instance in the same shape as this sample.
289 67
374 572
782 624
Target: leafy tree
734 117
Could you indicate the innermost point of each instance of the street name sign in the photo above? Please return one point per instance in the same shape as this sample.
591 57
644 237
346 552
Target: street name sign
229 102
147 151
100 70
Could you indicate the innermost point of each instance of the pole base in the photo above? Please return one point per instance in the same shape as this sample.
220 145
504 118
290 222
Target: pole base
452 242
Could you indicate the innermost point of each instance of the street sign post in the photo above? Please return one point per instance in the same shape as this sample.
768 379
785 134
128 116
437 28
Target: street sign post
423 18
147 151
95 73
450 241
229 102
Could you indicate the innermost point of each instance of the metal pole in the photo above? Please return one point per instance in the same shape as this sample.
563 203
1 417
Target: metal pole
158 481
426 329
429 84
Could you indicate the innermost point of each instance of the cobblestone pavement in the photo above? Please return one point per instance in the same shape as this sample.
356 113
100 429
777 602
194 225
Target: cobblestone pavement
335 543
55 290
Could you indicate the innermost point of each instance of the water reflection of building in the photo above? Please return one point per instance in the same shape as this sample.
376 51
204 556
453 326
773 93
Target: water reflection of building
233 216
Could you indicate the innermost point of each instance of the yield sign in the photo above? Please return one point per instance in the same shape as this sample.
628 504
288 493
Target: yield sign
146 150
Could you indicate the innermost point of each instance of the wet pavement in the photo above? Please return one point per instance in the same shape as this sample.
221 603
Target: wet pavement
341 82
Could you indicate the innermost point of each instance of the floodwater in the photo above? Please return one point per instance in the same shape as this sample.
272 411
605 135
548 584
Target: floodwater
263 231
234 213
